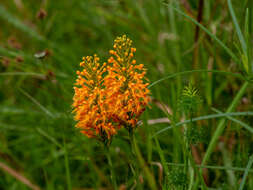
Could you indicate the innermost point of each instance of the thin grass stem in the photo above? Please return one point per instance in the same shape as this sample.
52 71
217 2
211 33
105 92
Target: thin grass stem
246 172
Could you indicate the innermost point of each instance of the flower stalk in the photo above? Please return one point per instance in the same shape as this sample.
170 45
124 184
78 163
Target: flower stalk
112 174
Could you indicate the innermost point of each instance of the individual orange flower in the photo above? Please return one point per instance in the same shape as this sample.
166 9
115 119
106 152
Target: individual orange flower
89 108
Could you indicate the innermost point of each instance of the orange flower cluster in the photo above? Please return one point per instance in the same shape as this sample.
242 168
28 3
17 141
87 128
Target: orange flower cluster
89 99
110 95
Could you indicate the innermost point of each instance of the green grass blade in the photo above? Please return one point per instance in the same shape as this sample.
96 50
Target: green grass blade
238 169
226 157
196 71
246 172
161 154
237 28
50 138
212 116
18 24
32 74
4 51
36 75
246 126
234 57
37 103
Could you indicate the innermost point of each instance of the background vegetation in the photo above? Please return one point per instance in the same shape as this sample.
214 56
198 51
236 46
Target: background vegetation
41 45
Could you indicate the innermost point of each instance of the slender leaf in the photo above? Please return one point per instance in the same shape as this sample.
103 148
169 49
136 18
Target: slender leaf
212 116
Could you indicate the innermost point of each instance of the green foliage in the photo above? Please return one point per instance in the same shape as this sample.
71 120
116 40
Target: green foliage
178 42
195 135
190 100
177 179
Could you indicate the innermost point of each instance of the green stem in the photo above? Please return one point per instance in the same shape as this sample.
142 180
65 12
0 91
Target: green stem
186 147
150 177
186 159
135 169
162 157
190 157
113 178
193 164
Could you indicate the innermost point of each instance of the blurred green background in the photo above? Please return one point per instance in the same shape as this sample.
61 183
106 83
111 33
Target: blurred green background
41 45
